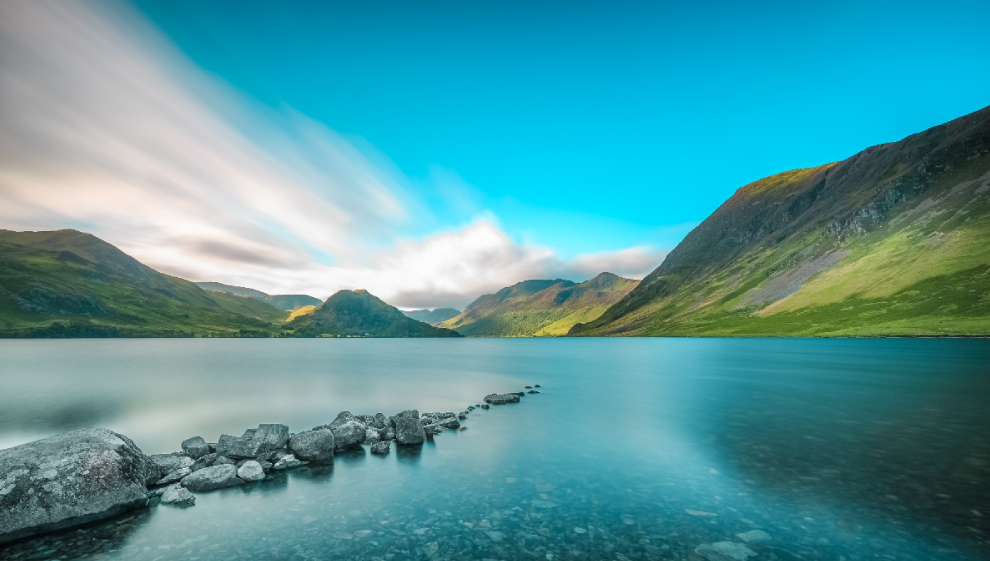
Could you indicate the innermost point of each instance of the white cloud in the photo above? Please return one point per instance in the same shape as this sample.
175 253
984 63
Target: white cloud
105 127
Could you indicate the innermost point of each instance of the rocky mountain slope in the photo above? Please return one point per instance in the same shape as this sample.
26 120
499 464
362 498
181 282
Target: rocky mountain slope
540 307
894 240
284 302
67 283
432 317
356 313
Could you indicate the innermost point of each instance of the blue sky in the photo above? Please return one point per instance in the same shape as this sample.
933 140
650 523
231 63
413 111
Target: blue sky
434 152
592 126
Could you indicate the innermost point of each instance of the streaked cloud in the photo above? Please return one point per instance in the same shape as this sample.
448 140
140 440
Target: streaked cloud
106 127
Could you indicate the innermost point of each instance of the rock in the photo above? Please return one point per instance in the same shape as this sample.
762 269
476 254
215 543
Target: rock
724 551
529 387
195 447
376 421
445 420
288 461
224 461
501 398
371 436
348 432
177 495
462 429
210 478
381 447
167 463
174 476
754 536
388 433
70 479
532 391
408 428
435 428
205 461
254 442
536 385
462 415
315 445
485 406
495 536
251 471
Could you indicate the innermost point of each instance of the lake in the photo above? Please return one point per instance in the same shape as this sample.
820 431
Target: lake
844 449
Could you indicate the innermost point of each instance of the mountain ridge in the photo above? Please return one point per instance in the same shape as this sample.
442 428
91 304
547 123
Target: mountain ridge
539 307
358 313
865 246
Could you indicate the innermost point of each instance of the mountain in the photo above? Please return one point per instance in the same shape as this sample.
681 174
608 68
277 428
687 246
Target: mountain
284 302
434 316
540 307
69 283
357 313
892 241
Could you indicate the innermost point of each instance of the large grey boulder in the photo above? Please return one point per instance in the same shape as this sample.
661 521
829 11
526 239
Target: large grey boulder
195 447
444 420
501 398
70 479
348 432
315 445
381 447
211 478
408 428
254 443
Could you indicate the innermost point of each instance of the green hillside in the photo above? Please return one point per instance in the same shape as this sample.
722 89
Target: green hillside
434 316
892 241
356 313
66 283
540 307
284 302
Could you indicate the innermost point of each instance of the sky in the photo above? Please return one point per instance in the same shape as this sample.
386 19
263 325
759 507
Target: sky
433 152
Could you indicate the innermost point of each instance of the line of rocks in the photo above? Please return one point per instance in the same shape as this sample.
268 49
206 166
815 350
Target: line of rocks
90 474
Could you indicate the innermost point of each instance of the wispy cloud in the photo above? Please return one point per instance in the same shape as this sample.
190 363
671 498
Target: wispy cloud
105 127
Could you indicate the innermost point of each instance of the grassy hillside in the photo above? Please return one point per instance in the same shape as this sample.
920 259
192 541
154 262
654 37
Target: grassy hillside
356 313
540 307
284 302
892 241
434 316
66 283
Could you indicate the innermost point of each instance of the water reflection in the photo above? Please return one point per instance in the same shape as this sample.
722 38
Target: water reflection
638 449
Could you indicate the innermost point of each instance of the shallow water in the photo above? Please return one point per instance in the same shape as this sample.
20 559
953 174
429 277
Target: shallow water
637 448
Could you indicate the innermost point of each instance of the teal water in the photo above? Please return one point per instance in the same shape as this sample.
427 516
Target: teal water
636 449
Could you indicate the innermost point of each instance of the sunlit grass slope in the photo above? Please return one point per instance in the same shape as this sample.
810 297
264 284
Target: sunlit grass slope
540 307
892 241
66 283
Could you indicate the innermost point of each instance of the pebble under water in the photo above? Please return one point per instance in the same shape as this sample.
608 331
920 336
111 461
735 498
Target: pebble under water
696 449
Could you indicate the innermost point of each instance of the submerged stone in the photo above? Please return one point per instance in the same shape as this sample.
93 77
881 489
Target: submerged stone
70 479
724 551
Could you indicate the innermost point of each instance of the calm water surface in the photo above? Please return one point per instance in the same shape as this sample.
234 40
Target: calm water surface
636 449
